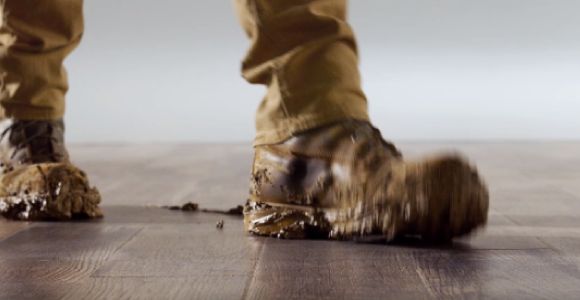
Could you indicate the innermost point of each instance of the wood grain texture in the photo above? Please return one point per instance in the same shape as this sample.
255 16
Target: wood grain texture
67 252
530 248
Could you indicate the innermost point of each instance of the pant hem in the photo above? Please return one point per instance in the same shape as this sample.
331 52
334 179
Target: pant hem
28 114
291 127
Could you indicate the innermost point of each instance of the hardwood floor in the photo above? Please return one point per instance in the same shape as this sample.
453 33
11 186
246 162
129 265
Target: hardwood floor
530 248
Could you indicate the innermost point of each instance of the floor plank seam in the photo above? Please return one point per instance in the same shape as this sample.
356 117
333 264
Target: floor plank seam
29 225
253 275
555 249
512 220
425 283
512 249
154 276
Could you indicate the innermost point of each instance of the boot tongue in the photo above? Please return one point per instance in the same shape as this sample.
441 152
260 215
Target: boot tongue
36 141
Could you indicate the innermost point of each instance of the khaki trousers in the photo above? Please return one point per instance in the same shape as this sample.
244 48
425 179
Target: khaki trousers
303 51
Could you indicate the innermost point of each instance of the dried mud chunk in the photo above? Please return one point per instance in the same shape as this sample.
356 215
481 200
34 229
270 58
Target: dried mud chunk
189 206
234 211
51 191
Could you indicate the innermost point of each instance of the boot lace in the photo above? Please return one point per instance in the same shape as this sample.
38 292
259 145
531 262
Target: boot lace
37 137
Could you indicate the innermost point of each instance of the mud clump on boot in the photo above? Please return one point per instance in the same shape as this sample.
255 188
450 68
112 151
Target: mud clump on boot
434 200
48 191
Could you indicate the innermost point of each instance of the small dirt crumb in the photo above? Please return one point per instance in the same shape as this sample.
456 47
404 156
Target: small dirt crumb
220 224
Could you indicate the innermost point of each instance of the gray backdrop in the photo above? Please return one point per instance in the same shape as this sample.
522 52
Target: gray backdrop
154 71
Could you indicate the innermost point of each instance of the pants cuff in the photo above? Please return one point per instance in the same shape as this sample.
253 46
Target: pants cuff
12 110
294 126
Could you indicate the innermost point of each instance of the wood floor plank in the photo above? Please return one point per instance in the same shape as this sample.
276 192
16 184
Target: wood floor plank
63 252
331 270
33 290
525 274
532 200
154 288
8 228
200 259
315 270
567 244
487 241
530 248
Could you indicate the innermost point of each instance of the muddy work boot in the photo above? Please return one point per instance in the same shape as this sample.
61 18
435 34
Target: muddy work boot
37 180
344 181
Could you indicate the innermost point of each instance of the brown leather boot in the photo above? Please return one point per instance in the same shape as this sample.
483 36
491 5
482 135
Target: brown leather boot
37 180
343 181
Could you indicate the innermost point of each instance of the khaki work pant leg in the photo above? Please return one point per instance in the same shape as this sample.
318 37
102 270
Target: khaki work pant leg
46 32
304 51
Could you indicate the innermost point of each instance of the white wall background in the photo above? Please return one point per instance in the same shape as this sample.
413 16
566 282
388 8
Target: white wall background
168 70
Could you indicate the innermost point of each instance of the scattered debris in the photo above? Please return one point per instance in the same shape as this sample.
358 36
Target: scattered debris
238 211
189 206
220 224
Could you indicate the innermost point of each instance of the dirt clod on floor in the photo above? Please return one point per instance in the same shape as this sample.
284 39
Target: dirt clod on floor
237 211
189 206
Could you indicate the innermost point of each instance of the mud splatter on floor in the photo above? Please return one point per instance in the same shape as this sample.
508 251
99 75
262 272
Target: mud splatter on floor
189 206
192 207
235 211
